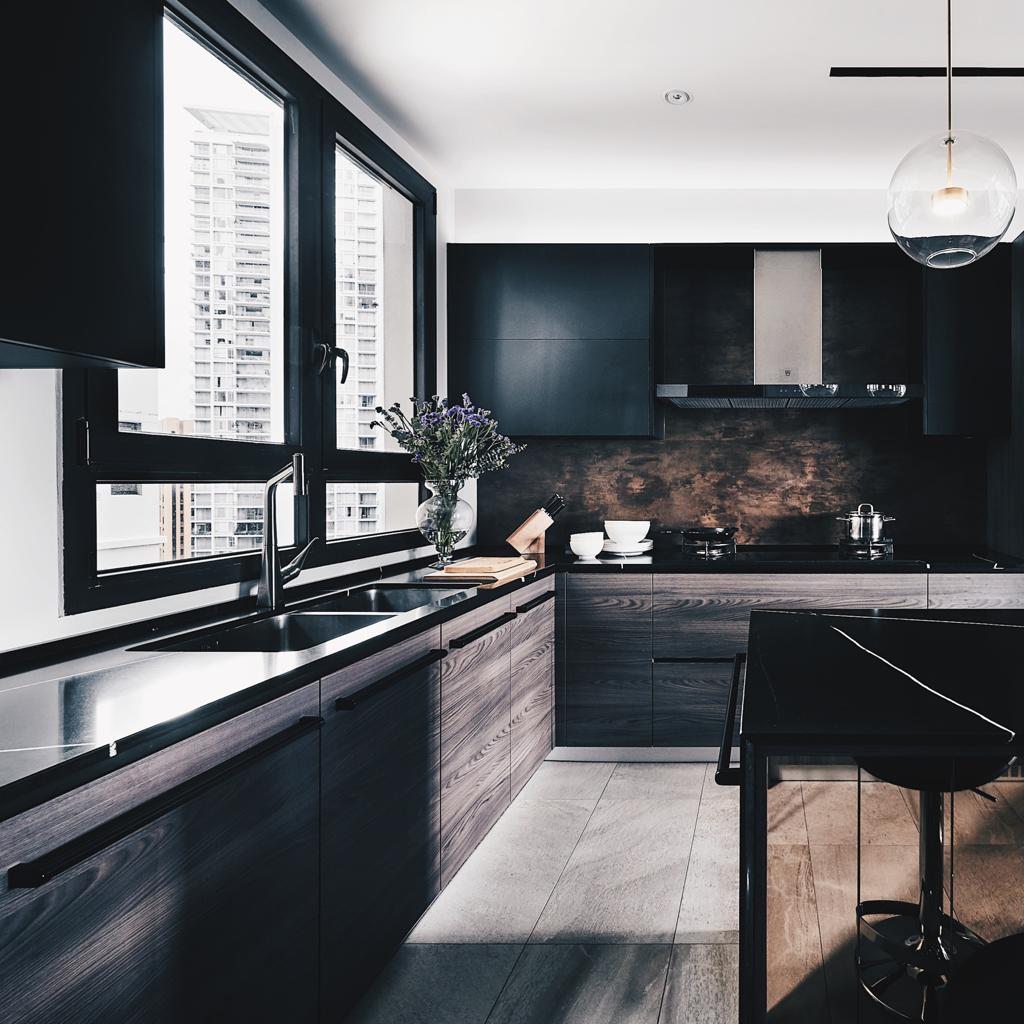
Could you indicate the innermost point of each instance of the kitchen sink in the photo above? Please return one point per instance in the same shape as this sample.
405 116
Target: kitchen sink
292 631
390 597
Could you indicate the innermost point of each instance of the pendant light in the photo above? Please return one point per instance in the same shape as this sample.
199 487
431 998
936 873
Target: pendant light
952 197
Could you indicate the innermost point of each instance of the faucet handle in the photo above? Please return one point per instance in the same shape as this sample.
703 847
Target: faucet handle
294 567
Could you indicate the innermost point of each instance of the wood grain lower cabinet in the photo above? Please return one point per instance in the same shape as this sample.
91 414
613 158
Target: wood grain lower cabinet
475 730
699 615
533 677
608 660
199 904
380 837
690 699
975 590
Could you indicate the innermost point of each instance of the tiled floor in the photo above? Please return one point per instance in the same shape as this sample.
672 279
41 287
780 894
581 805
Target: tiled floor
608 893
571 908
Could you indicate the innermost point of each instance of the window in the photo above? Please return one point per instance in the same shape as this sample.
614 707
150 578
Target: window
164 470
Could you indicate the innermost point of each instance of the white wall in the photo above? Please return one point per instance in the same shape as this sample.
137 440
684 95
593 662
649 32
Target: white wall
30 587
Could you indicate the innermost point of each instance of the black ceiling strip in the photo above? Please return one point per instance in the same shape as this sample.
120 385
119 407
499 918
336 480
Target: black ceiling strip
936 72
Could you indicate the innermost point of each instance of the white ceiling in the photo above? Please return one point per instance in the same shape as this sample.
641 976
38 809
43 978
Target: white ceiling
568 93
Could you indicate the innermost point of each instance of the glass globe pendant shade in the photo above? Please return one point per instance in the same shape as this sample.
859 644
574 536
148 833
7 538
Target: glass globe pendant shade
951 201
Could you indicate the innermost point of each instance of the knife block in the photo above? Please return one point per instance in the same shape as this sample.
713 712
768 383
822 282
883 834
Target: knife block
528 537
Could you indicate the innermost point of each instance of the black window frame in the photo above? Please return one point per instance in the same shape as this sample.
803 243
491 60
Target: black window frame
95 452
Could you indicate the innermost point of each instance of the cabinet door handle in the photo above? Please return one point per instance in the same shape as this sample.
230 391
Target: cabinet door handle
351 702
31 874
724 774
475 634
536 602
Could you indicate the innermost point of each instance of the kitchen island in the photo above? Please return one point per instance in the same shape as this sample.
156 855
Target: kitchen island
889 683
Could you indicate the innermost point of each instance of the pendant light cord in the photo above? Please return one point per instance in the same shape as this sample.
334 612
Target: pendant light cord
949 68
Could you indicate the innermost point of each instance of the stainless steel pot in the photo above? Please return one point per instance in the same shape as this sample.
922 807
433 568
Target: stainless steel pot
865 525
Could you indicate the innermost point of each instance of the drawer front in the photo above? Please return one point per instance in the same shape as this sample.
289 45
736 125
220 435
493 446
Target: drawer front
475 743
533 675
352 679
531 592
608 661
690 701
705 616
975 590
456 629
72 814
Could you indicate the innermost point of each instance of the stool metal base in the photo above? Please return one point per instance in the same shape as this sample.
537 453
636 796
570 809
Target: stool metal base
897 968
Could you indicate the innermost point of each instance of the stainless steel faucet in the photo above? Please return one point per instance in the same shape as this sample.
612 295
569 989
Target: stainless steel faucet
273 575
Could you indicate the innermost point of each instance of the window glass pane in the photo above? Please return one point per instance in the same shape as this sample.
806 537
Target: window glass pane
223 257
374 301
355 510
139 524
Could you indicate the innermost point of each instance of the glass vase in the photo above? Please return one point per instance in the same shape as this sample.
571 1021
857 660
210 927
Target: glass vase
444 518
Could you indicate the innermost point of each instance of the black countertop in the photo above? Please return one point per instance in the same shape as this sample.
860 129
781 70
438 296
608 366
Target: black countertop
894 679
77 715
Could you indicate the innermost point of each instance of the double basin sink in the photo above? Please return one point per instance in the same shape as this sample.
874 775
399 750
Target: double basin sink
324 620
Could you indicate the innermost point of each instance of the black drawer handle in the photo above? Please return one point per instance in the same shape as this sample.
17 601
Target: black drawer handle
475 634
725 775
33 873
351 702
548 595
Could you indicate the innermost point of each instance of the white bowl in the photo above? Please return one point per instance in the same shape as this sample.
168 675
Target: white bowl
586 545
626 531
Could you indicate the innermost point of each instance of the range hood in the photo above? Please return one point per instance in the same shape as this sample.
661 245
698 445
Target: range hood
787 355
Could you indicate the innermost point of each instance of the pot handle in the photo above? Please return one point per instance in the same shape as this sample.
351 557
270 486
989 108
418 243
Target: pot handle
866 505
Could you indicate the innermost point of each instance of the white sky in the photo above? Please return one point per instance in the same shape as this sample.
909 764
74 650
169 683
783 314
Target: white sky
194 77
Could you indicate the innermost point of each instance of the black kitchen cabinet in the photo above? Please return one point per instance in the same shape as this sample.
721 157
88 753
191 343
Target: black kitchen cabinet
967 326
199 904
608 661
555 339
83 225
871 309
704 314
380 813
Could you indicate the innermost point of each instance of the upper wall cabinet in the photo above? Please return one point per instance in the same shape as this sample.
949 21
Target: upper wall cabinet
704 313
968 317
82 283
555 339
871 314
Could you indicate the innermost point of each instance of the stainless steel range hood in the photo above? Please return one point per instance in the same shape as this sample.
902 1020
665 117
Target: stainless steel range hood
787 356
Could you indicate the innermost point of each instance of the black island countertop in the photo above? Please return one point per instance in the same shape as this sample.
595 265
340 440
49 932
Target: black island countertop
73 711
909 681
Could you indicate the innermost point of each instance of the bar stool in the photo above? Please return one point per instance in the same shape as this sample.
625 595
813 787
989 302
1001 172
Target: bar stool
909 951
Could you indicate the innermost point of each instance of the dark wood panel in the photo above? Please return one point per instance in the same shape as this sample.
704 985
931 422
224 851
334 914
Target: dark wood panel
704 320
533 650
208 913
563 387
608 661
547 291
690 700
475 744
871 314
380 829
700 616
975 590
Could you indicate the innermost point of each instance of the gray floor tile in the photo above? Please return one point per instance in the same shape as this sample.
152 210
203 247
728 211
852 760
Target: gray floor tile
500 891
786 822
710 907
624 880
655 781
703 986
438 985
568 780
580 984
